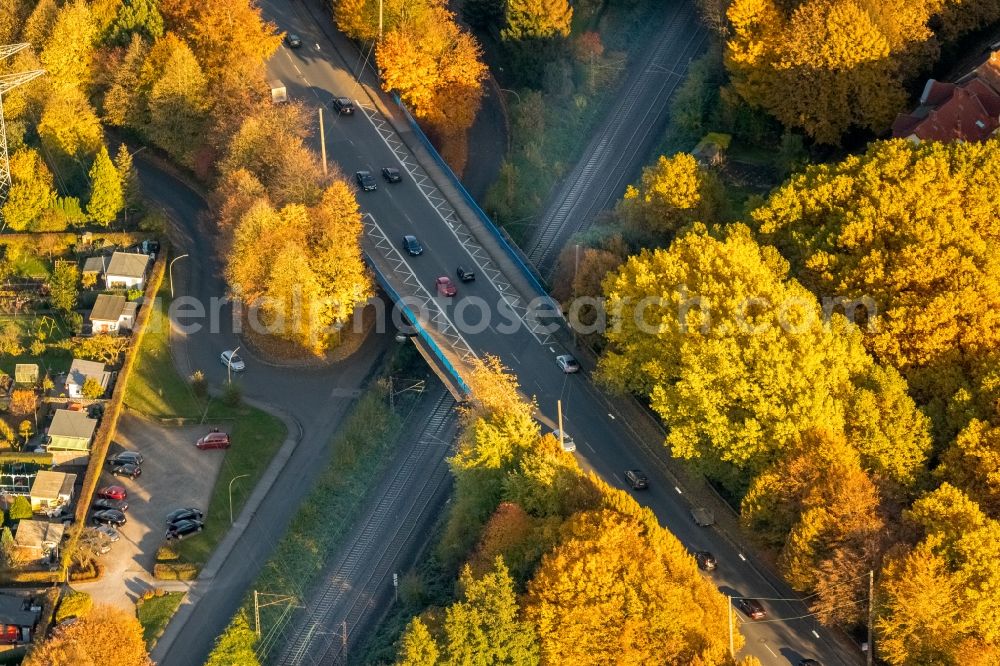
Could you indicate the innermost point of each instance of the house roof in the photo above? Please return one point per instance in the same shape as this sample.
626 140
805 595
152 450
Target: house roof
130 309
50 484
26 373
72 424
35 533
128 264
80 369
12 608
95 264
107 308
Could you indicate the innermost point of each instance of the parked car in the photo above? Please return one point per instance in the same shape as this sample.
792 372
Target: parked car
465 275
412 246
705 560
636 479
751 608
293 41
109 517
567 363
108 532
343 106
112 492
132 457
702 517
391 175
232 360
102 503
214 440
365 181
177 515
445 287
184 528
127 469
568 444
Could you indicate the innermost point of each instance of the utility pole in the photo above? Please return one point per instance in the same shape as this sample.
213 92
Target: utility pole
322 139
8 82
343 637
729 621
256 614
380 20
869 656
562 435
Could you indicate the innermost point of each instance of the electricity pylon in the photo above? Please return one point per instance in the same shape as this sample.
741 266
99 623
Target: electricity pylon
7 82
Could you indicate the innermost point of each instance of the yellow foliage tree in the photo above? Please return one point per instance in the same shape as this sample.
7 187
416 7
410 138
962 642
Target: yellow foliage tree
69 50
177 99
972 463
673 193
359 19
30 192
69 129
105 635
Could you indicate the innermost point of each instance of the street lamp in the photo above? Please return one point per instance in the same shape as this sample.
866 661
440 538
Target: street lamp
229 365
231 495
171 271
512 92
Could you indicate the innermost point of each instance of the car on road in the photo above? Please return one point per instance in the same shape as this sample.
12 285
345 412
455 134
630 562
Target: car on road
391 175
705 560
112 492
465 275
107 532
109 517
184 528
127 469
132 457
214 440
293 41
189 513
702 517
567 363
365 181
445 287
412 245
809 662
102 503
343 106
751 608
568 444
232 360
636 479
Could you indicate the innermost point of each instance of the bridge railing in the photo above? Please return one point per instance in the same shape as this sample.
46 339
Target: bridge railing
519 262
421 331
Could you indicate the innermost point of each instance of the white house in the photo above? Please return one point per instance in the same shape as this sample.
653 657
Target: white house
78 373
51 490
112 313
126 269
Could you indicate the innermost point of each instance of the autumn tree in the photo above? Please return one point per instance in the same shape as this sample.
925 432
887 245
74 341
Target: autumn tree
177 99
31 190
235 645
972 463
135 17
102 347
106 635
70 130
359 19
13 14
69 50
92 388
126 97
417 647
128 176
107 197
23 401
40 21
63 286
674 192
536 19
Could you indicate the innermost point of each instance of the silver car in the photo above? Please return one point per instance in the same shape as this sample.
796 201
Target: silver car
232 360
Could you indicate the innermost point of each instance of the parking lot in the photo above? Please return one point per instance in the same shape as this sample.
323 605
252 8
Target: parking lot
174 474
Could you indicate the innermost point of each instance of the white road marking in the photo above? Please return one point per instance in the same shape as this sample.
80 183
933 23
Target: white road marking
678 490
815 633
617 478
768 647
516 359
591 448
611 415
742 557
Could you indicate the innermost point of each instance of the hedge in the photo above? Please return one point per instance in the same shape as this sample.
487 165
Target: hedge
74 604
181 571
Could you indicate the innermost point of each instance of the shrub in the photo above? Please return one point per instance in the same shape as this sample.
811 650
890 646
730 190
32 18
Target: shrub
233 395
74 604
180 571
23 401
92 388
133 294
166 553
20 509
199 385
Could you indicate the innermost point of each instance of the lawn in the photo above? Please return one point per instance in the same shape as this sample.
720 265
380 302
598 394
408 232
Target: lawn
54 359
155 389
155 612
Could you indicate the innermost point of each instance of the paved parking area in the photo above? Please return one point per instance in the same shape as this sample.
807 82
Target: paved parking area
174 474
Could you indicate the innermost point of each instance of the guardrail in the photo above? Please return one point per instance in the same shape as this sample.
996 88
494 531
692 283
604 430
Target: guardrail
483 217
424 335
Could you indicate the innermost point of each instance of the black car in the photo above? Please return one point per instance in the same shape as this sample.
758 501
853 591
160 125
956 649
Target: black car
126 458
809 662
293 41
464 274
131 470
705 560
365 181
391 175
111 517
751 608
636 479
343 106
179 515
102 503
412 246
184 528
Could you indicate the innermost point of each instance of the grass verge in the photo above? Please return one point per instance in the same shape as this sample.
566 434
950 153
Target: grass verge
155 612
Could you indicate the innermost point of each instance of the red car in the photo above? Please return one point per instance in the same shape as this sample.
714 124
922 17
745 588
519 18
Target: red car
214 440
445 287
112 492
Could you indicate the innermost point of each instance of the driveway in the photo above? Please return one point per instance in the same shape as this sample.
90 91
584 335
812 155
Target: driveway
174 474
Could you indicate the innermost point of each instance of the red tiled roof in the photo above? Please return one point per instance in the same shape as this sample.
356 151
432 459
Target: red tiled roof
970 112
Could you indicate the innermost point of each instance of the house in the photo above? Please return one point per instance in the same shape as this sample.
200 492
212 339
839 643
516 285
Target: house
51 490
968 110
94 268
26 373
18 618
126 269
112 313
78 373
69 437
39 539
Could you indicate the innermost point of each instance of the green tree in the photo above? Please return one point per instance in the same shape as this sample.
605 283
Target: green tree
483 15
177 99
8 551
128 176
107 197
536 19
63 287
235 645
126 97
92 388
68 52
20 509
135 17
417 647
30 191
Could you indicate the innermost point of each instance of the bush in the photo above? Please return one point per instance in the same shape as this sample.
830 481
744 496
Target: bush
74 604
92 388
199 385
133 294
90 572
167 553
233 395
180 571
20 509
